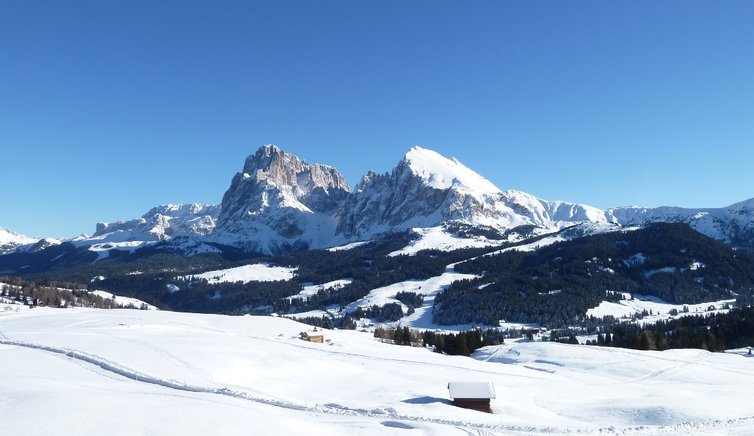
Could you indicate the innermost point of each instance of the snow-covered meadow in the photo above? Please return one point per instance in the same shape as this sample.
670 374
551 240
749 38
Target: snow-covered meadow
658 309
87 371
260 272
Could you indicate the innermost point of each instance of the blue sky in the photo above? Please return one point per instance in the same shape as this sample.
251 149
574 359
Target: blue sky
108 108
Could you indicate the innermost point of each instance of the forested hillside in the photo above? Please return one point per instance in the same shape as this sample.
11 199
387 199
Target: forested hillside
557 284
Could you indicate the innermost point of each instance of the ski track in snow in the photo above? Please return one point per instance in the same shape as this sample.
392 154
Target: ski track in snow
104 367
170 357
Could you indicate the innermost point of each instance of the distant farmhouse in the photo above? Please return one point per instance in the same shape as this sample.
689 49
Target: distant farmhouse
320 338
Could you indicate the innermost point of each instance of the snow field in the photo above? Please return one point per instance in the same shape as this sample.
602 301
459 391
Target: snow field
659 308
348 246
440 172
8 237
260 272
123 301
430 288
175 373
310 290
436 238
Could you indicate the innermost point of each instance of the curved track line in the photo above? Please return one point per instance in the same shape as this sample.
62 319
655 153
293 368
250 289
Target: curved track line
329 409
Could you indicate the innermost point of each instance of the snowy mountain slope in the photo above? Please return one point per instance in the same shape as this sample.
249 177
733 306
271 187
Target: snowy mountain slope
124 302
311 289
426 189
733 224
260 272
660 310
20 296
280 203
428 287
422 317
442 173
252 375
39 245
159 224
10 241
439 238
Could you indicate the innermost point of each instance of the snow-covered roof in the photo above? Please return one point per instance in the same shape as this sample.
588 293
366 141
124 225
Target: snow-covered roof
472 390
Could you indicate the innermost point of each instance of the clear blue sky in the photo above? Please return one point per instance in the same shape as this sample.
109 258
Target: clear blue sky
108 108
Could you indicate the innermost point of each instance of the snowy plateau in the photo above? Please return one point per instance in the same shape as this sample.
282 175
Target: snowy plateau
126 372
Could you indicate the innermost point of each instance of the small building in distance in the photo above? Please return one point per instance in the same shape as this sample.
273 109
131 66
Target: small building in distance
312 338
472 395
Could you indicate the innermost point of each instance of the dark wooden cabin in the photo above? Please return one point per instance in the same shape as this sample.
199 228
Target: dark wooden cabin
472 395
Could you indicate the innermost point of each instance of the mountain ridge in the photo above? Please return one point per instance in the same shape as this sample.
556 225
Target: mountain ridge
280 203
10 240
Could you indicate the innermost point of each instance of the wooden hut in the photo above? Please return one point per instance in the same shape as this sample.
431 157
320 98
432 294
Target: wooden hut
312 338
472 395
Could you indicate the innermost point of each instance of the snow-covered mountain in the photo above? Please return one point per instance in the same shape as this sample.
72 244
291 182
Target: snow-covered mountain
10 241
427 189
161 223
733 224
280 203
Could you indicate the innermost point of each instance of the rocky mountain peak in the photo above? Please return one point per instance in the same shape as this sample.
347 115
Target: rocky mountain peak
425 189
365 180
273 165
267 157
280 202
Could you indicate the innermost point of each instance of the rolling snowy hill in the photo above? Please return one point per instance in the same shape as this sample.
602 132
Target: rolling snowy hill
124 372
10 241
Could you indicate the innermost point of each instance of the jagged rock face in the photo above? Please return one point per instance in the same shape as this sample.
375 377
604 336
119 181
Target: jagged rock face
387 202
319 188
280 203
162 223
426 190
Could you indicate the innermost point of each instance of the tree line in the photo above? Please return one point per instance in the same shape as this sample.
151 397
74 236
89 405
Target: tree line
713 332
55 294
462 343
